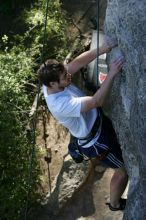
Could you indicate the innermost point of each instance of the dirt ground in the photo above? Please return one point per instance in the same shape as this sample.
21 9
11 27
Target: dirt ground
89 202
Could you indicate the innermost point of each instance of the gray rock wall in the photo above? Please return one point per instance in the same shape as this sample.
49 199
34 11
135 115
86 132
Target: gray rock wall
126 20
69 180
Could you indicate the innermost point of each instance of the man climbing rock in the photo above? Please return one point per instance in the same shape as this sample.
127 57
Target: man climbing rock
83 117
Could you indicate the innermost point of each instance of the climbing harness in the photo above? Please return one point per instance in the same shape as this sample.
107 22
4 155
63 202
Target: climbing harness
34 119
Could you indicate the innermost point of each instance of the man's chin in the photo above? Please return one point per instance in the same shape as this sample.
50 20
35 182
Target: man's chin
69 83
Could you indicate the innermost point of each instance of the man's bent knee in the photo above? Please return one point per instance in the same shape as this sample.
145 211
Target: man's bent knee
121 173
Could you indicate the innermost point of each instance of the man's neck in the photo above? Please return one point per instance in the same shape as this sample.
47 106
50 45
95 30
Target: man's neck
54 90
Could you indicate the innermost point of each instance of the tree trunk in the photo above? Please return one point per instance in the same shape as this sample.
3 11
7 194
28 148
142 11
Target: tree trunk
126 20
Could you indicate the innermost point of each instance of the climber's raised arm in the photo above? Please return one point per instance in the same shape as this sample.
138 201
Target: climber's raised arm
98 99
88 56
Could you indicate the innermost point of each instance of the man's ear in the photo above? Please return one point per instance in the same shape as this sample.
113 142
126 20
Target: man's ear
52 84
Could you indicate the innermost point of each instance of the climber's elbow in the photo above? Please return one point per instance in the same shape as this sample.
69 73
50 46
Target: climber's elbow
89 103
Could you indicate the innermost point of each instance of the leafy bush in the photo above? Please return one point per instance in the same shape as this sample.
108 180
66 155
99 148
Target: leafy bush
56 45
15 70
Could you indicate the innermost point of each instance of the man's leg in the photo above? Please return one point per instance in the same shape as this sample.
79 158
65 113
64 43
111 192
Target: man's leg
117 186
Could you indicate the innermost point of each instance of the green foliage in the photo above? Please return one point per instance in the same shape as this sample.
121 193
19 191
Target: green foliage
56 44
10 6
19 59
15 70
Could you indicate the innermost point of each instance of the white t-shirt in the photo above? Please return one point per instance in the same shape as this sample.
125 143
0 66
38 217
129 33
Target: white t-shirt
65 106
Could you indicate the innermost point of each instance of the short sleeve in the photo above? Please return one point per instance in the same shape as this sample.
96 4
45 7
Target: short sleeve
68 106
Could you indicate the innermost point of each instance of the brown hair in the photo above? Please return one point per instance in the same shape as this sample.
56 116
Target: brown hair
50 71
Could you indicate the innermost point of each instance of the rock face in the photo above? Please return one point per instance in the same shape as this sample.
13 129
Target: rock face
126 20
69 180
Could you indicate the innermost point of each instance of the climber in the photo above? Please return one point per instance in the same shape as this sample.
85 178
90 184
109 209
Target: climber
83 117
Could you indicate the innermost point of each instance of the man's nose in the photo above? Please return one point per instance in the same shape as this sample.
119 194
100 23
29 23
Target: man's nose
68 75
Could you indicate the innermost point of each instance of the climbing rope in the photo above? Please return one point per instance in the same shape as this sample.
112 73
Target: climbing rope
97 41
34 119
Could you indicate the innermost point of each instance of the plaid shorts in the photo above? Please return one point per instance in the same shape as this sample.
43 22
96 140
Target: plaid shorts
107 141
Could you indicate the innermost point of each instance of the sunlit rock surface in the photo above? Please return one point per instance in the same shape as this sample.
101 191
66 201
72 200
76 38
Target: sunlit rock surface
126 20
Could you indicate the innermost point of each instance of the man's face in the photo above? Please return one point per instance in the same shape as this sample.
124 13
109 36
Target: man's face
65 79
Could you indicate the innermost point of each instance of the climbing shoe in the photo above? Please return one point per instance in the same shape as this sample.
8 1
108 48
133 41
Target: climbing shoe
121 207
